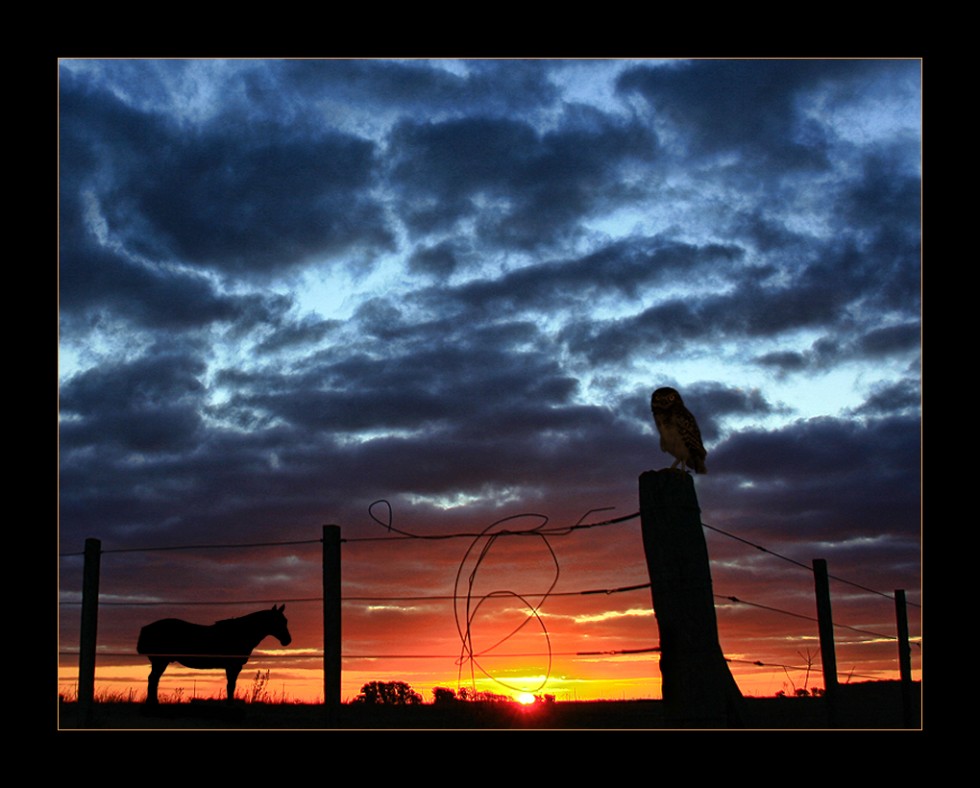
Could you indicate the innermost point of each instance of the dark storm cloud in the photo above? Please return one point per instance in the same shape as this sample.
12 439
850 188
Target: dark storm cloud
92 277
99 133
253 205
878 343
96 278
752 107
891 340
229 479
308 331
294 473
524 189
92 274
883 205
829 447
751 311
487 86
828 479
518 454
902 397
431 382
885 195
763 112
478 413
440 260
785 361
714 402
239 199
631 268
149 405
766 234
819 293
880 209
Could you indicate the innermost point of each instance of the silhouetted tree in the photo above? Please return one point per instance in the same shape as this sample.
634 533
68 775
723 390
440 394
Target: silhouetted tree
443 695
388 693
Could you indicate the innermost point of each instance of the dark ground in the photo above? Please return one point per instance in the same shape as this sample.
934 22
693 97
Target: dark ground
868 705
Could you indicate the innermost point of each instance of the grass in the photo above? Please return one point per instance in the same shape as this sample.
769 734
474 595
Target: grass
257 692
875 705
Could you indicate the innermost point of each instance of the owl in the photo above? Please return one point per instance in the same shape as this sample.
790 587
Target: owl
679 433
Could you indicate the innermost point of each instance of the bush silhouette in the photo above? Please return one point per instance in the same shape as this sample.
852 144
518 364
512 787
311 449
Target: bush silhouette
388 693
443 695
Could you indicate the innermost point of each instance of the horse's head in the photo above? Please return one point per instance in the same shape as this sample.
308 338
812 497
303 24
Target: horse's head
277 625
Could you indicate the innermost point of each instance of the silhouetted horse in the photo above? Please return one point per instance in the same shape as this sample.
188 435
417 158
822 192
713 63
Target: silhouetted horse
225 644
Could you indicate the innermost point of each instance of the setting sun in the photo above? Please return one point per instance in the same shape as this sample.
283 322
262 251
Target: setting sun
526 698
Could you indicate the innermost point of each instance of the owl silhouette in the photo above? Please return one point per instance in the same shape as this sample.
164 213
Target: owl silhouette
679 433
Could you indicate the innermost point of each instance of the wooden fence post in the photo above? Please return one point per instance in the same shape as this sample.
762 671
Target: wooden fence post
904 656
89 628
331 618
698 688
825 626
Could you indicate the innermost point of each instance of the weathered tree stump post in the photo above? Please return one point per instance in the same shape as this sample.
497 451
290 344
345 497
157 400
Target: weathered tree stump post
698 688
331 622
904 657
825 628
89 632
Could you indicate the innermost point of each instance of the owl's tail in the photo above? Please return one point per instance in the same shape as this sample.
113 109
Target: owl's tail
699 465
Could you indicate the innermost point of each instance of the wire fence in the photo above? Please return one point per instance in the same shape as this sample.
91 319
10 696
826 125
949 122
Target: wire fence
474 658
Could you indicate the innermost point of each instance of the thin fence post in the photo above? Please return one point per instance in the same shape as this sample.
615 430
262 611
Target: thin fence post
331 619
698 688
89 628
825 625
904 656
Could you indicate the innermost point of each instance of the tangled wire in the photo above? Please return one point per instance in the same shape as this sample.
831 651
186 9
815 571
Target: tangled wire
467 605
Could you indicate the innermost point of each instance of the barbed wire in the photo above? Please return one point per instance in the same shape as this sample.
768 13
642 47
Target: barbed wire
806 617
471 603
760 664
212 546
452 597
318 654
536 532
199 603
799 564
257 657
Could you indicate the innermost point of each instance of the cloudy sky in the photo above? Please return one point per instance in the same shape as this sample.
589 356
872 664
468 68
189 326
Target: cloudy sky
289 288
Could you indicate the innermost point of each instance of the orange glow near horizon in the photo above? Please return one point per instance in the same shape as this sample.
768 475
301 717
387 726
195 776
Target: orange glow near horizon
593 638
636 680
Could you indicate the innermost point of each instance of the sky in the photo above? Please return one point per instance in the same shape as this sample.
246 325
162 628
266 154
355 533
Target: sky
289 289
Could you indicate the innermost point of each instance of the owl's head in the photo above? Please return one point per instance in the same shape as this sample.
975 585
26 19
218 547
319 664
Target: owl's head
664 398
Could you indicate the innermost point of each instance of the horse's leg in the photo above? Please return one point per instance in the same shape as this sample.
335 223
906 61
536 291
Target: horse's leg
232 672
157 668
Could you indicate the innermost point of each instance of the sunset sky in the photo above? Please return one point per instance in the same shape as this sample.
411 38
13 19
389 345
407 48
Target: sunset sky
291 288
